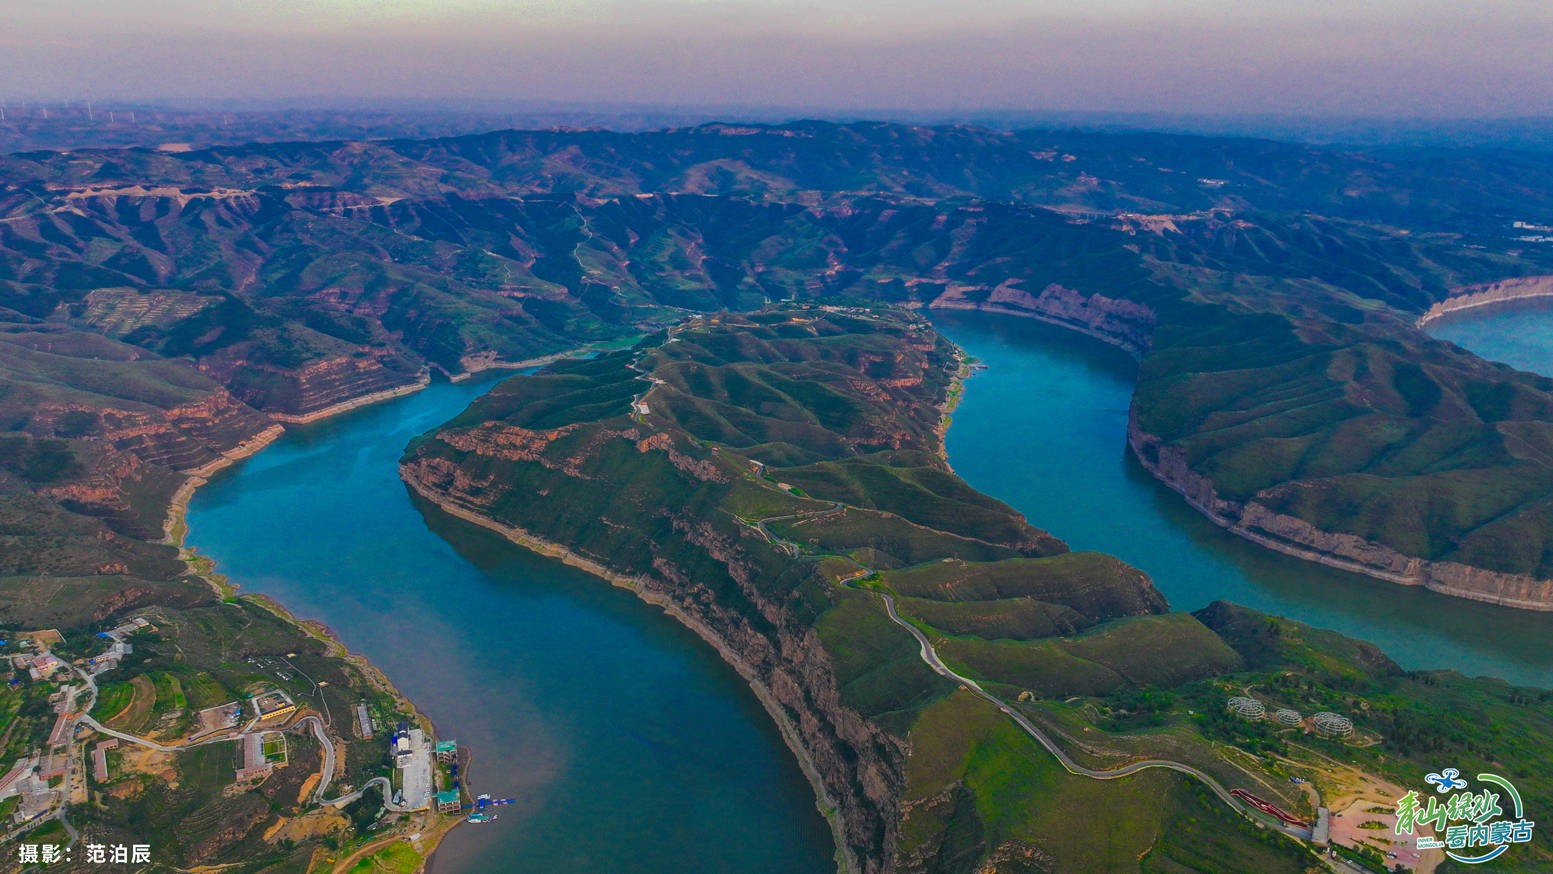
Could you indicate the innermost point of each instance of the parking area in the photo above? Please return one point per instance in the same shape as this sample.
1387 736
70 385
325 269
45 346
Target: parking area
1358 824
417 771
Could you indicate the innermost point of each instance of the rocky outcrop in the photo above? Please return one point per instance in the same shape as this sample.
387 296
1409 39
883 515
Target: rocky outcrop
318 389
1297 537
1489 294
184 437
1123 323
351 402
129 461
106 483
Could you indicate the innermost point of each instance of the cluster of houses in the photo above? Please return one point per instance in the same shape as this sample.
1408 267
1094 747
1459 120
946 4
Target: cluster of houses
38 779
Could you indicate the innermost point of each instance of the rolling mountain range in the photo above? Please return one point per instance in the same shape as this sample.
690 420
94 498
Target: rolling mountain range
162 312
1270 289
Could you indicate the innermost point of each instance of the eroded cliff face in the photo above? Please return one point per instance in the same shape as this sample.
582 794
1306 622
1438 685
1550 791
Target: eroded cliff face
856 768
115 486
317 389
1294 536
1123 323
182 438
185 437
124 463
1488 294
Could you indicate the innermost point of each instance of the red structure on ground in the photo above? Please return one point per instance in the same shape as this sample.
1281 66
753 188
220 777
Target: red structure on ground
1269 808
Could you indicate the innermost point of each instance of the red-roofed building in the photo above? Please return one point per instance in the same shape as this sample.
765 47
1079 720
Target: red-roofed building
100 759
13 775
61 733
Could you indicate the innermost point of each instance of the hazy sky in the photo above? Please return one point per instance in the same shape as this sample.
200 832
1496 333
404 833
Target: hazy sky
1385 57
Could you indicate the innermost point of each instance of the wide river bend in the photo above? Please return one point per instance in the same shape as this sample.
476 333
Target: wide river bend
630 746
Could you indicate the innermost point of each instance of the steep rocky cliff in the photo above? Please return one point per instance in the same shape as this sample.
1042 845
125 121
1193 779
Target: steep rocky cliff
1120 322
1255 521
1488 294
313 390
185 437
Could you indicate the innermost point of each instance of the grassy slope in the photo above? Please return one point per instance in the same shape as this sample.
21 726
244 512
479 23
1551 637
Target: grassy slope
1443 460
972 771
594 471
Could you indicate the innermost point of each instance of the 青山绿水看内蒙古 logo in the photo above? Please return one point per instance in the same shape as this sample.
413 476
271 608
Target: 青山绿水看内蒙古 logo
1474 824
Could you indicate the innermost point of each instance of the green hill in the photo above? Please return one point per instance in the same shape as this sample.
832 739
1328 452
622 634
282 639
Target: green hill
653 466
629 461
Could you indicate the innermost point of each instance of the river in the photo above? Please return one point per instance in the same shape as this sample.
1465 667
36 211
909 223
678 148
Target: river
1044 428
628 744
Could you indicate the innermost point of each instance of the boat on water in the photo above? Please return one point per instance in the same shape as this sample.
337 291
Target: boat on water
480 807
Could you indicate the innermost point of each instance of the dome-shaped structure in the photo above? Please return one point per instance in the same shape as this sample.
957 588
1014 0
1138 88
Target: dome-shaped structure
1247 708
1288 717
1331 723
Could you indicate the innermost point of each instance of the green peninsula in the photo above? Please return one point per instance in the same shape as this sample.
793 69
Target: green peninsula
775 480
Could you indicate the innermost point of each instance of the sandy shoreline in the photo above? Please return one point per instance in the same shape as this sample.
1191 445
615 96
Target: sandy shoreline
1505 291
175 533
1127 346
173 530
953 394
178 504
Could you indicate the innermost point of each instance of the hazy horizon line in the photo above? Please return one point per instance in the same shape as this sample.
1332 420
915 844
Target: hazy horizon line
786 112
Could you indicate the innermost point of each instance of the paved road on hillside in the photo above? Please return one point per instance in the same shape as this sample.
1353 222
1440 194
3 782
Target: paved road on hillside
327 773
388 796
313 722
930 657
97 726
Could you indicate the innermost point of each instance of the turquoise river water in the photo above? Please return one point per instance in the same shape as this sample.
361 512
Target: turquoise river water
629 745
1045 429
